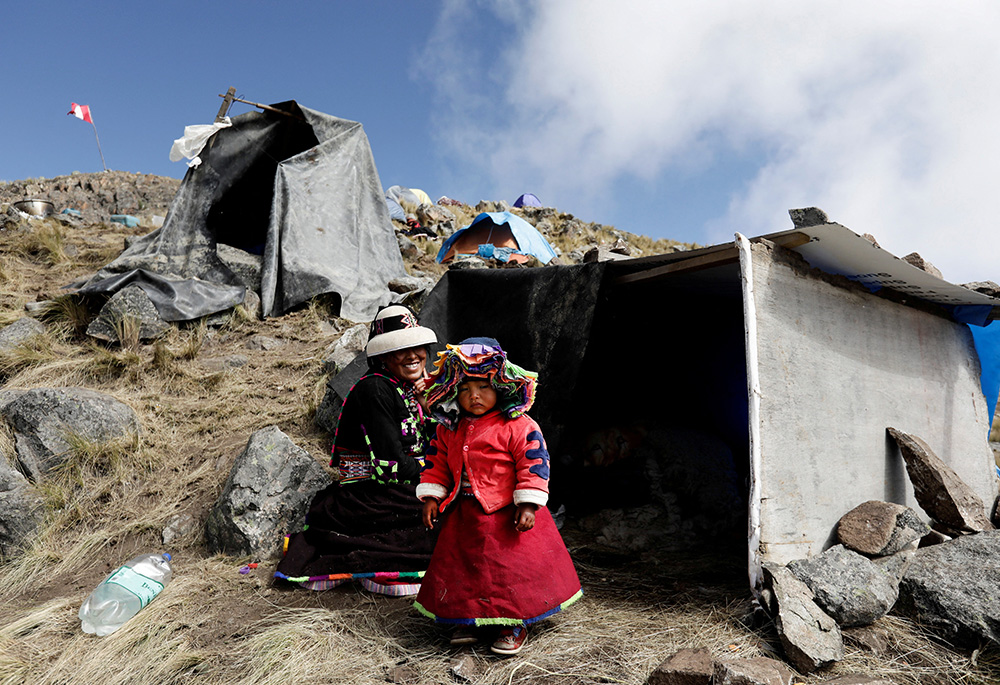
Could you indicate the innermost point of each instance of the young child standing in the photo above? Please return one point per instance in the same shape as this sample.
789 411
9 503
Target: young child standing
499 560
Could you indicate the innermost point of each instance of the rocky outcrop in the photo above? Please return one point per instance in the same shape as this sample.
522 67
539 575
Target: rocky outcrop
46 420
880 528
938 489
847 586
267 494
341 353
811 638
953 588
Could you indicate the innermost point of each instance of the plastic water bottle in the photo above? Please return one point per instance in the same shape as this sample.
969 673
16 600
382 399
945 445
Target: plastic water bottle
124 592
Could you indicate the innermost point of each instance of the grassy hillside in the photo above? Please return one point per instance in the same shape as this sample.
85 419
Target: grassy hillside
214 625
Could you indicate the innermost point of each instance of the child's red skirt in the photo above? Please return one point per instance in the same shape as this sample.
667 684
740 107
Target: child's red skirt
484 572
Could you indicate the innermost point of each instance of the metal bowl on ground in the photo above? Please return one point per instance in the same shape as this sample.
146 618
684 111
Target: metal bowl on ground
35 207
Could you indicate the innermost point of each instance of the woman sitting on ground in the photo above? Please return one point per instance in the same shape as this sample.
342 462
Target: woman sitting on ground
367 526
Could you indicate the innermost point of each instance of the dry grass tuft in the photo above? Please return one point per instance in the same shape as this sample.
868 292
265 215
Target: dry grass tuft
70 315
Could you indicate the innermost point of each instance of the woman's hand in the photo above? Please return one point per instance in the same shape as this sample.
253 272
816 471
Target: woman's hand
430 513
524 519
420 385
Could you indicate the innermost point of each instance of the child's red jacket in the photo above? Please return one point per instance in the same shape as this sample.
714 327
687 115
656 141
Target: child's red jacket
505 459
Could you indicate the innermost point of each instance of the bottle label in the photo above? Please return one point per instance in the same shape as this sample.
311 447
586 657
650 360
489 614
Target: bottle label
139 585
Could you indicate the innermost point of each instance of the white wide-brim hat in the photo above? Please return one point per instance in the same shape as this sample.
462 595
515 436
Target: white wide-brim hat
395 328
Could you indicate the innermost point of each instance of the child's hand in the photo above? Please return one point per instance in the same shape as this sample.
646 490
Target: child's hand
421 385
430 513
524 519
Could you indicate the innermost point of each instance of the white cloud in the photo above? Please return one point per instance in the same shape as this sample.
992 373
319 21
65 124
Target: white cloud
884 114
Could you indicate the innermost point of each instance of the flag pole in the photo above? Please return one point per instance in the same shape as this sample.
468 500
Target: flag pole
99 145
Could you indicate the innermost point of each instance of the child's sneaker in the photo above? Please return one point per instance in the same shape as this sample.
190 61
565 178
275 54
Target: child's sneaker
510 640
464 635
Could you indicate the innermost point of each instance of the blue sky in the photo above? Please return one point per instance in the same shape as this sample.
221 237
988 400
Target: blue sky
685 120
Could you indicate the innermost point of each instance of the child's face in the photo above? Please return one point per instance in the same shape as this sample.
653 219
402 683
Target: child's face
476 396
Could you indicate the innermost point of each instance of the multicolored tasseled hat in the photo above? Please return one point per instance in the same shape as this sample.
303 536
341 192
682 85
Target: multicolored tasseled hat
479 358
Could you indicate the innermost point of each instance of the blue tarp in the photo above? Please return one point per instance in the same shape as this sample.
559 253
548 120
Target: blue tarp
529 240
987 341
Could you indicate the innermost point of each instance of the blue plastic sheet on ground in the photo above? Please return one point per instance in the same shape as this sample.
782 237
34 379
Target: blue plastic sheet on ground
127 219
987 341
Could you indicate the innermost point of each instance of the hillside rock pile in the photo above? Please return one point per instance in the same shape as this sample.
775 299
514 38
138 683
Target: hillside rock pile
97 196
949 583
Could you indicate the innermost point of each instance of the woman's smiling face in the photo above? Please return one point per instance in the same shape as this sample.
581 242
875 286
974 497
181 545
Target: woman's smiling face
476 396
406 365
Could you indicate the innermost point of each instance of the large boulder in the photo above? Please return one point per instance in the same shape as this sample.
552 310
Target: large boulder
46 420
130 304
21 511
811 638
267 494
880 529
953 588
848 586
938 489
244 265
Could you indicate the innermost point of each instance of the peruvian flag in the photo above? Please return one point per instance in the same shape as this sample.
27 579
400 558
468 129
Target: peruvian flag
80 112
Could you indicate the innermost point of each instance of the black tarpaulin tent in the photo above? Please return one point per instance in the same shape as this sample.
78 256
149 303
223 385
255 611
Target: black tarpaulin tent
302 189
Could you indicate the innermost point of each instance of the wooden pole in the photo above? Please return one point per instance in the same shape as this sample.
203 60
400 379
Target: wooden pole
99 145
227 101
256 104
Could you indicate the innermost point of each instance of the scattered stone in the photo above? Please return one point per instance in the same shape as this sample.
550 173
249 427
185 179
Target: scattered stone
492 206
856 679
811 638
916 260
404 675
21 511
44 421
263 342
871 638
219 364
130 303
601 253
35 307
344 351
952 588
266 495
808 216
880 528
937 488
755 671
251 303
19 332
870 238
177 527
896 565
985 287
407 248
465 668
847 586
621 247
434 216
244 265
406 284
684 667
468 263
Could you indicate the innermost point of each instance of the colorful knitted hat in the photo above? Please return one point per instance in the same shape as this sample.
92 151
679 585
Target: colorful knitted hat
479 358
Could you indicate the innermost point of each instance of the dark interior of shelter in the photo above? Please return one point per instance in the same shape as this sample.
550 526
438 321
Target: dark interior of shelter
659 417
244 160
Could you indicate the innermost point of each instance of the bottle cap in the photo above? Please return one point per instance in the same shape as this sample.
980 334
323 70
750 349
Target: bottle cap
167 556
